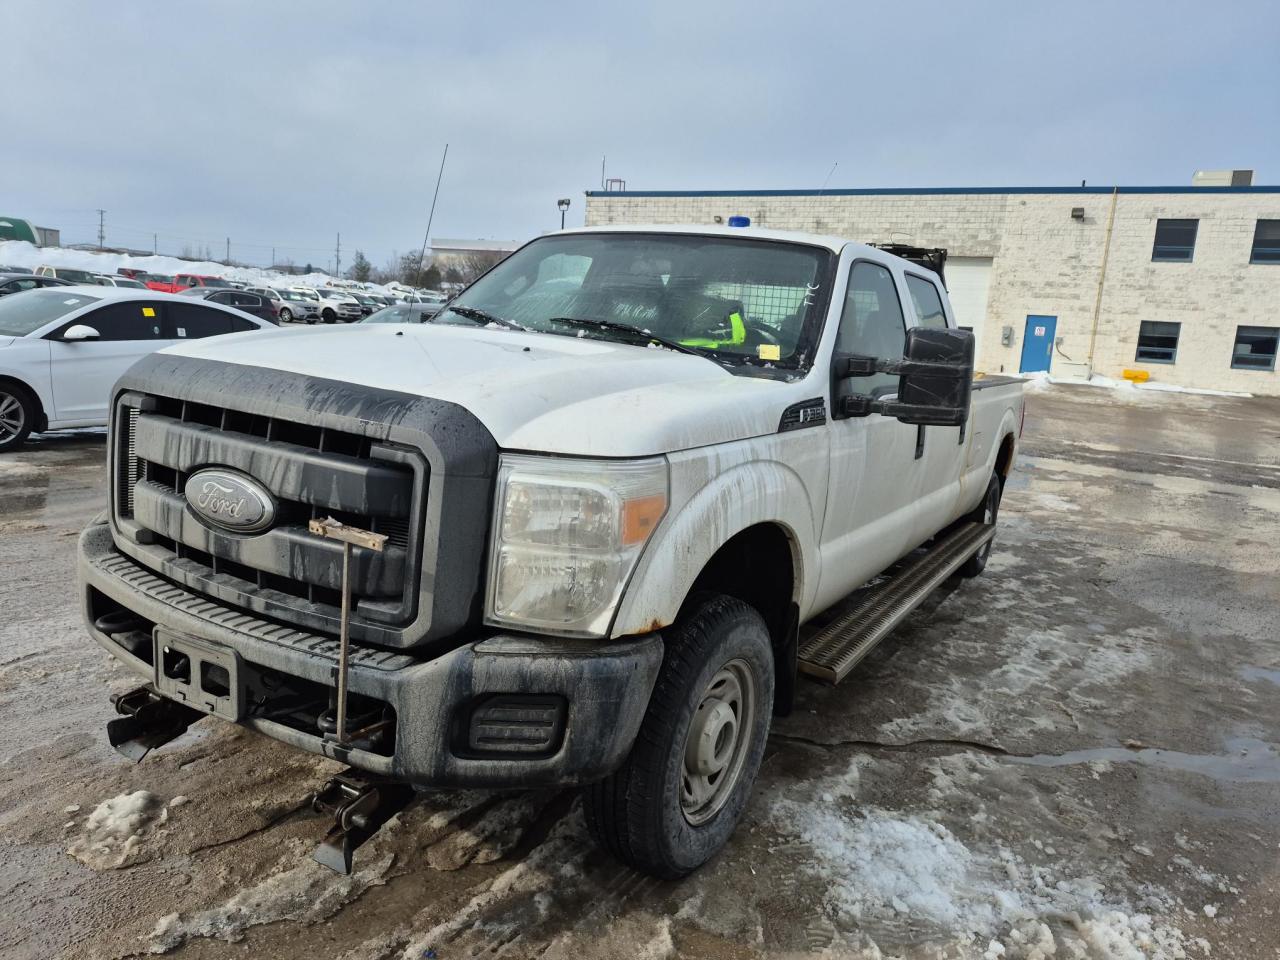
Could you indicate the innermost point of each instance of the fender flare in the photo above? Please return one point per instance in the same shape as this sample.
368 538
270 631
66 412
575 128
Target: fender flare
745 495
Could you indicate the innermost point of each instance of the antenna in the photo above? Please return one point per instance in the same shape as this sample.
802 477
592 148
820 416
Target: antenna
431 216
828 180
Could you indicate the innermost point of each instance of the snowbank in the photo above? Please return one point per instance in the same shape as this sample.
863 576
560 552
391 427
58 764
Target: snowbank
20 253
1041 381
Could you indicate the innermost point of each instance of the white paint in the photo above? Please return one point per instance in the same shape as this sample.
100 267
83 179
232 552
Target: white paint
968 288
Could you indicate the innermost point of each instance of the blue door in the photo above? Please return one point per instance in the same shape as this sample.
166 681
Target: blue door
1037 344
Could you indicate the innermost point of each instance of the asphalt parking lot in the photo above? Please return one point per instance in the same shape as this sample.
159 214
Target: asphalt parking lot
1073 756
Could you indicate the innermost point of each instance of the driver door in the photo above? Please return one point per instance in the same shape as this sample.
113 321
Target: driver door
875 474
82 372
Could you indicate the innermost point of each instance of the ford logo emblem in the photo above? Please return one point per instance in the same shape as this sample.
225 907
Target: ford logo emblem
230 500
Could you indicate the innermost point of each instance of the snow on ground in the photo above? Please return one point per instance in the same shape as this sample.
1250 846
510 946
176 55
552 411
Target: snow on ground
1042 381
887 871
20 253
114 830
302 891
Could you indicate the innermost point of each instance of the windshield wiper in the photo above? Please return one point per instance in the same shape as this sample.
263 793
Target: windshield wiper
630 331
484 316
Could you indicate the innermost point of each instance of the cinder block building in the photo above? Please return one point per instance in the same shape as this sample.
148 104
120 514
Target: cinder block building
1182 283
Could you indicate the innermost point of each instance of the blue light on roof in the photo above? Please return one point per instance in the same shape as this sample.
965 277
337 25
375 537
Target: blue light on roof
739 221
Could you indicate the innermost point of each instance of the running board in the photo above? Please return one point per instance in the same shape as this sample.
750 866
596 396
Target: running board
835 649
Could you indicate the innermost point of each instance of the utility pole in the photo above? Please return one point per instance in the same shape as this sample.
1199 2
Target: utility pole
102 230
155 243
337 258
273 258
228 251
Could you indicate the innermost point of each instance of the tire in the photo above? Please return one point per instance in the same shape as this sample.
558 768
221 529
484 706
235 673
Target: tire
328 315
988 511
286 315
658 813
18 414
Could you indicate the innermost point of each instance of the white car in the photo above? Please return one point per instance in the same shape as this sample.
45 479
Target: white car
113 280
61 349
336 305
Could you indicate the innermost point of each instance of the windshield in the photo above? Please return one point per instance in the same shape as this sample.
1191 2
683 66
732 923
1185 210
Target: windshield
22 315
750 304
77 276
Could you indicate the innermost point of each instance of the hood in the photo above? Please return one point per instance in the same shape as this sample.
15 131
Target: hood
535 392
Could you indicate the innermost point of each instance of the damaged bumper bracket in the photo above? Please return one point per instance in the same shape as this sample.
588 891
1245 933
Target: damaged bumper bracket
360 804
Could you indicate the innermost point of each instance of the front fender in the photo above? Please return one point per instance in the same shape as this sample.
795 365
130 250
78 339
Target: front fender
721 502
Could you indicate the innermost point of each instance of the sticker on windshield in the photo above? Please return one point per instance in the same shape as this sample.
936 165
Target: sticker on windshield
769 351
148 311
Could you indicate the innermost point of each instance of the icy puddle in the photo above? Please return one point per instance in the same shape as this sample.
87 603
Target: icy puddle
1248 760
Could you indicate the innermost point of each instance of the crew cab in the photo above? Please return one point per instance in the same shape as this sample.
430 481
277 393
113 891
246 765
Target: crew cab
589 525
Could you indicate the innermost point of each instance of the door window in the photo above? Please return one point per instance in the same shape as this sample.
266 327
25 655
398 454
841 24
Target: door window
924 296
134 320
872 324
191 321
222 296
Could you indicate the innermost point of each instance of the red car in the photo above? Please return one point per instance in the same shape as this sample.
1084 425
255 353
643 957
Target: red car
184 281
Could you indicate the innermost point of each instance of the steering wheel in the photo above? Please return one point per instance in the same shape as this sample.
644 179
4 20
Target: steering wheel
761 333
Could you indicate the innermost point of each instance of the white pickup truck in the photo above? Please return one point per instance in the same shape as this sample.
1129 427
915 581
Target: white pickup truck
588 526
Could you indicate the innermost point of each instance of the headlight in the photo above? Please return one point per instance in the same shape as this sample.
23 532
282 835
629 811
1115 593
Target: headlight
566 536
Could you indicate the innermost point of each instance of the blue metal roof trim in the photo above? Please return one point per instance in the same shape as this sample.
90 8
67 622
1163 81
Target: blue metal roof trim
924 191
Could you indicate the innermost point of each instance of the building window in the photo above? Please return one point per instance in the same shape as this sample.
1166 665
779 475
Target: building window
1158 341
1255 348
1175 240
1266 242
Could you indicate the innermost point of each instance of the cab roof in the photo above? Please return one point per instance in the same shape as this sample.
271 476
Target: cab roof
832 243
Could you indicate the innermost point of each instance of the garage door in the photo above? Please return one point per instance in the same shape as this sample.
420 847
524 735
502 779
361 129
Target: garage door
968 279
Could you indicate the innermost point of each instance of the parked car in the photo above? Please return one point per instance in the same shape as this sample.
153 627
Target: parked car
107 280
367 304
17 282
291 305
184 280
257 304
67 273
159 283
598 523
338 305
61 350
404 313
134 273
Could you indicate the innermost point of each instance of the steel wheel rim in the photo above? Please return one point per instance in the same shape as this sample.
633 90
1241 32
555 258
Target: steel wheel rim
12 416
989 512
717 743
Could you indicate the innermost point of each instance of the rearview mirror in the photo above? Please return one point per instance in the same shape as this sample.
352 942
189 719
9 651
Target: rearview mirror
80 331
935 379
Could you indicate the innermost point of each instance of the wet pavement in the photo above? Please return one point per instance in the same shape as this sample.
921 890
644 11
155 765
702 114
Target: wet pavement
1074 755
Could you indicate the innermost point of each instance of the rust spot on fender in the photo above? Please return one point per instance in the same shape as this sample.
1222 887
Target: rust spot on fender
655 625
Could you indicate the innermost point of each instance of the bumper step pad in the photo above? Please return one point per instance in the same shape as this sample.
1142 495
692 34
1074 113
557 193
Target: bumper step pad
833 650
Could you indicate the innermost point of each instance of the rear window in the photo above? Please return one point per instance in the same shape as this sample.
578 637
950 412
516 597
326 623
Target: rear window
22 315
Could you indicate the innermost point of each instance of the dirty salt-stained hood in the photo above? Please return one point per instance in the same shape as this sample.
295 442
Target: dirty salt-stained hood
535 392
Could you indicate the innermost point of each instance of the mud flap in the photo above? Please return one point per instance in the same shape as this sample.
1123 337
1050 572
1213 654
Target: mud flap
360 804
149 721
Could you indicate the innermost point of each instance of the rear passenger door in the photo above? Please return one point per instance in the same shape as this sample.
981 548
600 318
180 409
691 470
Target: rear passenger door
193 321
942 448
82 372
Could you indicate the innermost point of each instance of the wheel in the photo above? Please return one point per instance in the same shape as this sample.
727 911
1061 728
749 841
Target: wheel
286 315
678 796
17 416
986 512
328 315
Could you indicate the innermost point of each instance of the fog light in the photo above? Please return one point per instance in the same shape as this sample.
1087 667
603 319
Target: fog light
524 725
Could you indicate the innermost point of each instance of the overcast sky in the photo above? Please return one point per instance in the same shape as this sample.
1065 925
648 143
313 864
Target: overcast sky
281 124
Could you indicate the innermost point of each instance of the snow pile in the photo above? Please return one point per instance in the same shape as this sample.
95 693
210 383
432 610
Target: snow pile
884 871
306 892
20 253
1037 382
114 830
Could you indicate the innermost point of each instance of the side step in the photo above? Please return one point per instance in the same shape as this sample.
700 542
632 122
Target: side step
835 649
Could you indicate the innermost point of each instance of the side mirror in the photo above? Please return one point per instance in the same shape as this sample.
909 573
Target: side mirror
80 331
935 379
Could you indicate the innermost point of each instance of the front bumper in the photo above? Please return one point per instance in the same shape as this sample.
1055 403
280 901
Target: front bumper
604 687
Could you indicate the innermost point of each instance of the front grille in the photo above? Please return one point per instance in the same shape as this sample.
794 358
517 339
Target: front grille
312 472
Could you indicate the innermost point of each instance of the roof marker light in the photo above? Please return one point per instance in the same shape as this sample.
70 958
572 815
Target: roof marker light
739 221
